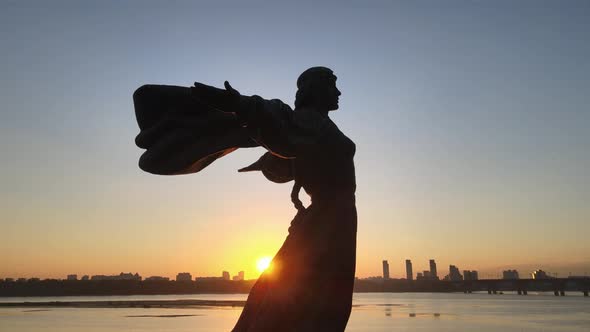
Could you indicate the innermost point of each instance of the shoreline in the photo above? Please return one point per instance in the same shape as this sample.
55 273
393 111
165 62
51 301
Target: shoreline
177 304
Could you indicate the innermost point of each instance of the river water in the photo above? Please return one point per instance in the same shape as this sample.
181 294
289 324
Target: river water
372 312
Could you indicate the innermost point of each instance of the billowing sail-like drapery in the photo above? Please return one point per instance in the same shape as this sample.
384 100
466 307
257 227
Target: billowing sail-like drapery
182 135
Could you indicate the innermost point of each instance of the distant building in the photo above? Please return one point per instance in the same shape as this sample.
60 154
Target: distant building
540 274
184 276
510 274
409 273
157 278
454 274
433 273
239 277
425 275
9 279
208 278
225 275
129 276
121 276
373 278
21 280
385 269
470 275
85 278
72 277
33 279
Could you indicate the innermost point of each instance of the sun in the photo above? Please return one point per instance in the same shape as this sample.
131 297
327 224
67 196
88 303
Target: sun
263 263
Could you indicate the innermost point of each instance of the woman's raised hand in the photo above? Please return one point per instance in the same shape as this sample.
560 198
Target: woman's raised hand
227 100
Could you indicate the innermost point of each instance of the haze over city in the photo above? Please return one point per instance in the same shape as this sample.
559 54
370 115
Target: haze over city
472 136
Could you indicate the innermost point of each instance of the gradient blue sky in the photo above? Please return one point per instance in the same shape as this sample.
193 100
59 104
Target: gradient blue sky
470 117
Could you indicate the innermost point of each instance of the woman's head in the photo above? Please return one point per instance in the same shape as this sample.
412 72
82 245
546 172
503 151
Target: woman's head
316 87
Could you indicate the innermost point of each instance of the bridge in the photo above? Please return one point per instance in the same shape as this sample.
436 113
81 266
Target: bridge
559 286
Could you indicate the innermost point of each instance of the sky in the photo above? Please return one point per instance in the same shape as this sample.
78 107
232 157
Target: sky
470 119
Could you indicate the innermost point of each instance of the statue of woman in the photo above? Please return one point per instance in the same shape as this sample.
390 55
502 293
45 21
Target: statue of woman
309 287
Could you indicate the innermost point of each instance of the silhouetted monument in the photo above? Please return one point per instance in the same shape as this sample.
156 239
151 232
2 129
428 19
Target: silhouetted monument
183 130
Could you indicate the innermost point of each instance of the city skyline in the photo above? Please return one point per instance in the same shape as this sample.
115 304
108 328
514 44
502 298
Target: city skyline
471 136
524 270
505 272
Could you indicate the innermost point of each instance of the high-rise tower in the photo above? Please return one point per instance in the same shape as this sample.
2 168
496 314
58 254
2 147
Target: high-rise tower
433 273
409 273
385 270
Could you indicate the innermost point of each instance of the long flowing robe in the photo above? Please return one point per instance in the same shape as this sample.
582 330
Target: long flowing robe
310 283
